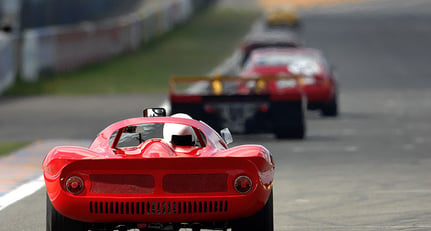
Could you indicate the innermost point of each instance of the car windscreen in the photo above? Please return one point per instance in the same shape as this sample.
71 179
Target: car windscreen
274 44
132 136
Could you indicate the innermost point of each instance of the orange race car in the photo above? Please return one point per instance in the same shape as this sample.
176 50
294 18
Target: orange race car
281 15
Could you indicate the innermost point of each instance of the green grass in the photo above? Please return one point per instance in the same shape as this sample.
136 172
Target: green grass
193 48
9 147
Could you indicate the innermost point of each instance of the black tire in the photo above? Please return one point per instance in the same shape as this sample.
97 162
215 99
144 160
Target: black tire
57 222
289 121
331 108
263 220
297 133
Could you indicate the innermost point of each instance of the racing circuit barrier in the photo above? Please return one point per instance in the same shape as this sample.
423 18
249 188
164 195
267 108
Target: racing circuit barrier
57 49
7 61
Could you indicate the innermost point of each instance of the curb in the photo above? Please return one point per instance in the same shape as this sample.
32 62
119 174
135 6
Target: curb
25 164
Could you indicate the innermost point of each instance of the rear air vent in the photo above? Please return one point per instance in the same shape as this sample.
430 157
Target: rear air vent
157 208
195 183
121 183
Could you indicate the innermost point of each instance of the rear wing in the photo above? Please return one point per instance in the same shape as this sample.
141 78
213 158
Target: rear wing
229 85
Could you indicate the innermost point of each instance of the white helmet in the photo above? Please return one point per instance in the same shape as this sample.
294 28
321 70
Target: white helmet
180 131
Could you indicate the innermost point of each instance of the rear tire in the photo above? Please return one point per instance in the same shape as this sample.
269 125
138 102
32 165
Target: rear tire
291 133
57 222
263 220
288 120
331 108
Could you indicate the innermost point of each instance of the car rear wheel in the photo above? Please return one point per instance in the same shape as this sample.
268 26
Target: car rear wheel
294 133
331 108
290 123
263 220
57 222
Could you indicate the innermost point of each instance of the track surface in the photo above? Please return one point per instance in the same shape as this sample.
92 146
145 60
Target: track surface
366 170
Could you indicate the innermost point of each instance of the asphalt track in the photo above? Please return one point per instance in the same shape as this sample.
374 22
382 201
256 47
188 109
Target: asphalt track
366 170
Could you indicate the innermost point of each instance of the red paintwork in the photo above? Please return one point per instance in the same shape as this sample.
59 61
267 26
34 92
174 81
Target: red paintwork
185 98
150 162
322 91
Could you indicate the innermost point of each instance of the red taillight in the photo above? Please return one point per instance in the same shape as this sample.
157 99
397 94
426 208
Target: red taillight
243 184
74 185
264 108
321 80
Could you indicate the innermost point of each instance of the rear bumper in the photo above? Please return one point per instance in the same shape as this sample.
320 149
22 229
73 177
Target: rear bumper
317 96
160 209
159 204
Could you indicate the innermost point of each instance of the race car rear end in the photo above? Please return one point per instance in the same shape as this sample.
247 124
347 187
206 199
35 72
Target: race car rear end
104 194
267 104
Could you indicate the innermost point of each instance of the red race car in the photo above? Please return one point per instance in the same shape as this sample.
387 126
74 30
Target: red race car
264 104
317 78
157 172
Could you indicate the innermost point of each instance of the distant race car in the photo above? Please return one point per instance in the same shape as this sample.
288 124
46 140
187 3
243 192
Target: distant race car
263 104
281 15
159 173
316 75
267 39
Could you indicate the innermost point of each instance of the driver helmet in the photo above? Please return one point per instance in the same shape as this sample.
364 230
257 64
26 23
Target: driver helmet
179 134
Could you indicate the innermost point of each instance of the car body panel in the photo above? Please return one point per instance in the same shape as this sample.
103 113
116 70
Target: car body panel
319 85
157 181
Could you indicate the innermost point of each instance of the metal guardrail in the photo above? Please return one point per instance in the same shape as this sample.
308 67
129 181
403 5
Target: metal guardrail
64 48
57 49
42 13
8 59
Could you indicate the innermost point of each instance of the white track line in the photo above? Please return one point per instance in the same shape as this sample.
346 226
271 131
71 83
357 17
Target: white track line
31 187
21 192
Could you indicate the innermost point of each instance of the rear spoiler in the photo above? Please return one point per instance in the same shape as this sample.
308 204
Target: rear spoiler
215 85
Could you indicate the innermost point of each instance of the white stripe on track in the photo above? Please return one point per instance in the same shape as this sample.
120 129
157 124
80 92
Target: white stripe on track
31 187
21 192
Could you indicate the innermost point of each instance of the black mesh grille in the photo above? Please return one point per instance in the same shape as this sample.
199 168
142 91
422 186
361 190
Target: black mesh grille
157 207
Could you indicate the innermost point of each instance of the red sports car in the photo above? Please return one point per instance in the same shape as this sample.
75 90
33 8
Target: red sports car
317 78
157 172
